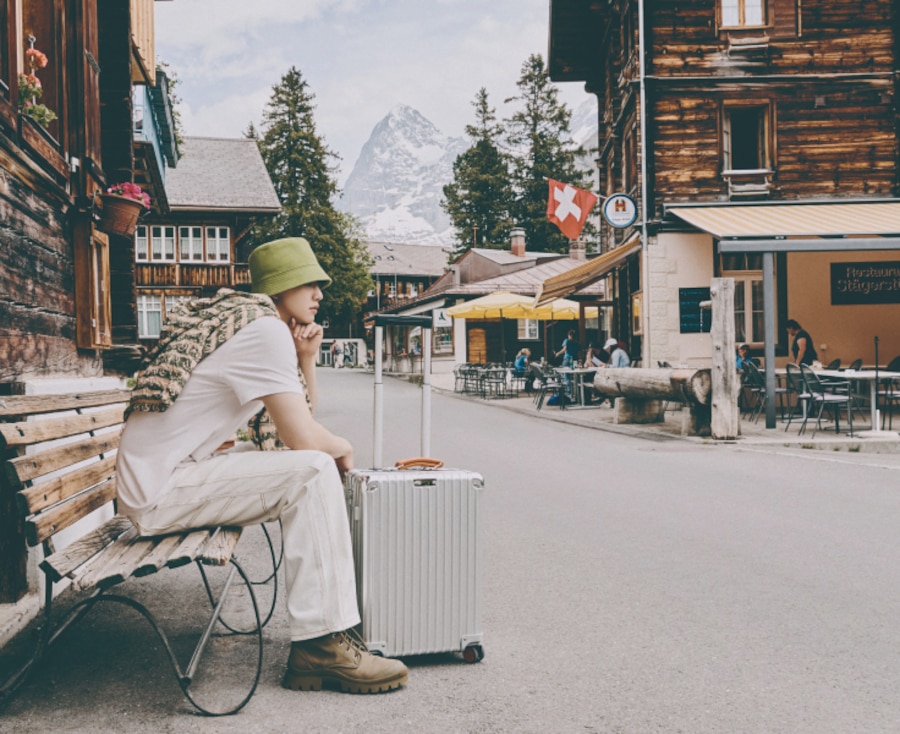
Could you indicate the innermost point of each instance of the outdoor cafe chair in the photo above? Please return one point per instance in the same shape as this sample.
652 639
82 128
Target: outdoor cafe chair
834 364
856 385
834 394
459 377
550 383
797 395
756 386
889 394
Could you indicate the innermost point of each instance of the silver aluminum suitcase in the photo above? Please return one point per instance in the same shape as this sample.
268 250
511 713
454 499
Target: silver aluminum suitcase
416 542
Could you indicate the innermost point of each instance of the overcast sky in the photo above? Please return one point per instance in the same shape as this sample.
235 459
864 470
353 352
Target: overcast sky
360 58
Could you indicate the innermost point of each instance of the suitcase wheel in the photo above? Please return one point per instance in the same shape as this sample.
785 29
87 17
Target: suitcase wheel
473 654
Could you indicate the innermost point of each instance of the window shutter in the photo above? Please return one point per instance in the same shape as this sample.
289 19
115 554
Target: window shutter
785 19
91 68
93 321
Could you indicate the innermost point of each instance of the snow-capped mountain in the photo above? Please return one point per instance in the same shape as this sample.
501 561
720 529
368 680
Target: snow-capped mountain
396 185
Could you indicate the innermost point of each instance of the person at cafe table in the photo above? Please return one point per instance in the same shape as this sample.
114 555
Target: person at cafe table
802 348
618 357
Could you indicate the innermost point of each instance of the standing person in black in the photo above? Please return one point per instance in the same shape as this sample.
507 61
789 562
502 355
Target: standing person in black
802 348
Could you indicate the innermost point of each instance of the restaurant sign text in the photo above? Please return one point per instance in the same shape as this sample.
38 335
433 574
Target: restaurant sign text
865 283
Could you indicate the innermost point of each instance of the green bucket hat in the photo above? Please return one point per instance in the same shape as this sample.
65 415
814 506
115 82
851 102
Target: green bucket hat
280 265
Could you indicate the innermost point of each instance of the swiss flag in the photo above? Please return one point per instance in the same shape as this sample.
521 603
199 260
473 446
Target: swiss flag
568 207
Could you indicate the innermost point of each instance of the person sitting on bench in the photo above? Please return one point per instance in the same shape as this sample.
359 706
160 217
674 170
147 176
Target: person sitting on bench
219 362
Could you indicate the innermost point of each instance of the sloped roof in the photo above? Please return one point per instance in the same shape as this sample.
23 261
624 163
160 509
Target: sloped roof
394 258
526 282
221 173
505 257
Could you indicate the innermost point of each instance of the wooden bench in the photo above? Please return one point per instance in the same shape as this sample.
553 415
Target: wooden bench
59 460
640 394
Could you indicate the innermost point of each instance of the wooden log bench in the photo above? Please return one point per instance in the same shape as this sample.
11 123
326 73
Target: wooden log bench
59 459
640 395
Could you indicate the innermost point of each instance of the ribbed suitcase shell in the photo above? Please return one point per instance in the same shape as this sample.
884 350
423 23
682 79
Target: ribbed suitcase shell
417 546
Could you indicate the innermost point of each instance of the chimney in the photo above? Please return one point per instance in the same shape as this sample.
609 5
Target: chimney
576 250
517 242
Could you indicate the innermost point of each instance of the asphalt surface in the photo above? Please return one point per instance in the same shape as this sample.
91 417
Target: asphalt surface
634 582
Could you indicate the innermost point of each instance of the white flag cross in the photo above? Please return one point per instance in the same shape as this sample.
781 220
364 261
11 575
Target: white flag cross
567 205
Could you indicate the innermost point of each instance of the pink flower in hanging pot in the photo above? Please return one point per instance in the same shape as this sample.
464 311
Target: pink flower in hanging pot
35 58
130 191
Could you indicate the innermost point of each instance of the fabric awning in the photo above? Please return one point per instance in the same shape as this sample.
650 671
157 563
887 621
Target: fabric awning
564 284
798 227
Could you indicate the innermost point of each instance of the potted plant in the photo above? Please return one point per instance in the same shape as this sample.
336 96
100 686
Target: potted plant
118 209
30 89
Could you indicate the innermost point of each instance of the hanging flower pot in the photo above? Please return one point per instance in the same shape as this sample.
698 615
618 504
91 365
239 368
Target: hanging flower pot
118 210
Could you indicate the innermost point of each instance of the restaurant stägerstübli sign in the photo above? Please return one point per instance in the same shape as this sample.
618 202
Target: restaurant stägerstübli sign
865 283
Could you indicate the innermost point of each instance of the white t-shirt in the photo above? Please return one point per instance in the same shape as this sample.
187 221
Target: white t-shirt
221 395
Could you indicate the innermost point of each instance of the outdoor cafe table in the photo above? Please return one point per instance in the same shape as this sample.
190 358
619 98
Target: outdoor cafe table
579 374
873 377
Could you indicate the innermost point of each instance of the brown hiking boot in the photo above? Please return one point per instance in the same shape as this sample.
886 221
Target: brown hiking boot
341 658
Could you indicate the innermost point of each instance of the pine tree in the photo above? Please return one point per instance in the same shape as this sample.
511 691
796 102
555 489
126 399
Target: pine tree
297 159
542 147
478 199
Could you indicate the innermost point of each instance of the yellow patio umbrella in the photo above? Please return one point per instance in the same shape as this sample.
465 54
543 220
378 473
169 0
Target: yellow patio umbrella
500 305
562 308
506 305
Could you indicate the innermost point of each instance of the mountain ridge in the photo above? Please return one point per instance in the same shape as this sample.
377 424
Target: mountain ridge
396 184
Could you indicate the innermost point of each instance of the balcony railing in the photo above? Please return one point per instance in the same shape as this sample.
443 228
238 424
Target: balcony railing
208 276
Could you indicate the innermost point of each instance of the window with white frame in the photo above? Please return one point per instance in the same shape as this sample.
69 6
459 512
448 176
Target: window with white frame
749 311
190 244
745 142
442 340
142 244
528 329
149 313
743 13
162 243
218 245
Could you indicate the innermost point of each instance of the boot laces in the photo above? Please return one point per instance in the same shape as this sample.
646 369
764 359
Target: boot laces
353 642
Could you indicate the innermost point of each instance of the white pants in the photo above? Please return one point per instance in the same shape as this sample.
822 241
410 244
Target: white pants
304 489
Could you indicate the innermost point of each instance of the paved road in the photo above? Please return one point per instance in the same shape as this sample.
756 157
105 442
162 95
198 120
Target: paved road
632 586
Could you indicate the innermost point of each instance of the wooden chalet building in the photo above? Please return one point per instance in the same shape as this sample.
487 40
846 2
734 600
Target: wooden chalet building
759 141
402 271
219 187
57 269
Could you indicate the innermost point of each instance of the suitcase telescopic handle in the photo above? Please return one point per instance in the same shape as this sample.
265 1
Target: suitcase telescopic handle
426 324
419 462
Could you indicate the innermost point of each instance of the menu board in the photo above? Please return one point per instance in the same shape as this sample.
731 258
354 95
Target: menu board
693 319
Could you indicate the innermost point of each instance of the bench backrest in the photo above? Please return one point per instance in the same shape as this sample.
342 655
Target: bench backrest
60 455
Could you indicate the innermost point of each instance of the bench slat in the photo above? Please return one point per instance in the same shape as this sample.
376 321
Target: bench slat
27 433
189 548
44 494
87 576
220 547
21 405
43 525
122 566
62 563
25 468
157 558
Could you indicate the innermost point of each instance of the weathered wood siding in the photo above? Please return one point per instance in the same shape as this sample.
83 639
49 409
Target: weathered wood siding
37 299
831 90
